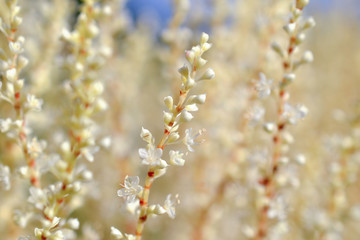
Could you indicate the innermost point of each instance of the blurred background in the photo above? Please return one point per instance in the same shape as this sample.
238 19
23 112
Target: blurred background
219 184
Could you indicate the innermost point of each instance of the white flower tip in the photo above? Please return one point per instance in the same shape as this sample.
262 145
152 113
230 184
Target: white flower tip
204 38
290 28
308 57
186 116
208 75
116 233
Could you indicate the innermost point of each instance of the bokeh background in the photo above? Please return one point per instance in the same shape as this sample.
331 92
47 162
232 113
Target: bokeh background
148 39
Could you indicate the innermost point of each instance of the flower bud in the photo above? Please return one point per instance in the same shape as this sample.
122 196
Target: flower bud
169 102
184 71
204 38
190 56
302 3
146 135
167 117
174 136
73 223
290 28
300 159
300 38
16 22
277 48
190 83
269 127
200 62
289 78
310 23
208 75
116 233
11 74
22 62
18 85
186 116
206 46
307 57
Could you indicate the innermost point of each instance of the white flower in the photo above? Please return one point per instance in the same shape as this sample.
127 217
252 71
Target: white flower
58 235
255 114
189 140
294 113
116 233
33 103
73 223
5 176
263 86
131 189
88 152
37 197
130 237
169 205
21 218
278 208
176 158
152 156
16 47
11 74
5 125
36 147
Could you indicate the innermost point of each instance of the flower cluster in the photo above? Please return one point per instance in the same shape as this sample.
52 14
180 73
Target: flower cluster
172 118
280 171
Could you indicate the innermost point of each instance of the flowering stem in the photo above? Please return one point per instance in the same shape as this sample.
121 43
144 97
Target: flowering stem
150 174
268 181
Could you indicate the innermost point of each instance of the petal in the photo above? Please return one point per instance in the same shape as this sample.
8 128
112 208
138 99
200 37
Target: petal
143 153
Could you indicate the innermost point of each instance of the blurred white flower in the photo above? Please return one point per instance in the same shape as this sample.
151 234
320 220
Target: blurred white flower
189 139
263 86
169 205
255 115
116 233
88 152
131 189
292 114
5 176
33 103
37 197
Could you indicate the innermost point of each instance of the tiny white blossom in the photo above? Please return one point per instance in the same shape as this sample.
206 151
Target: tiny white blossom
5 176
37 197
36 147
294 113
169 205
11 74
73 223
88 152
255 114
131 189
16 47
278 208
130 237
33 103
189 139
116 233
5 125
263 86
58 235
176 158
152 156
